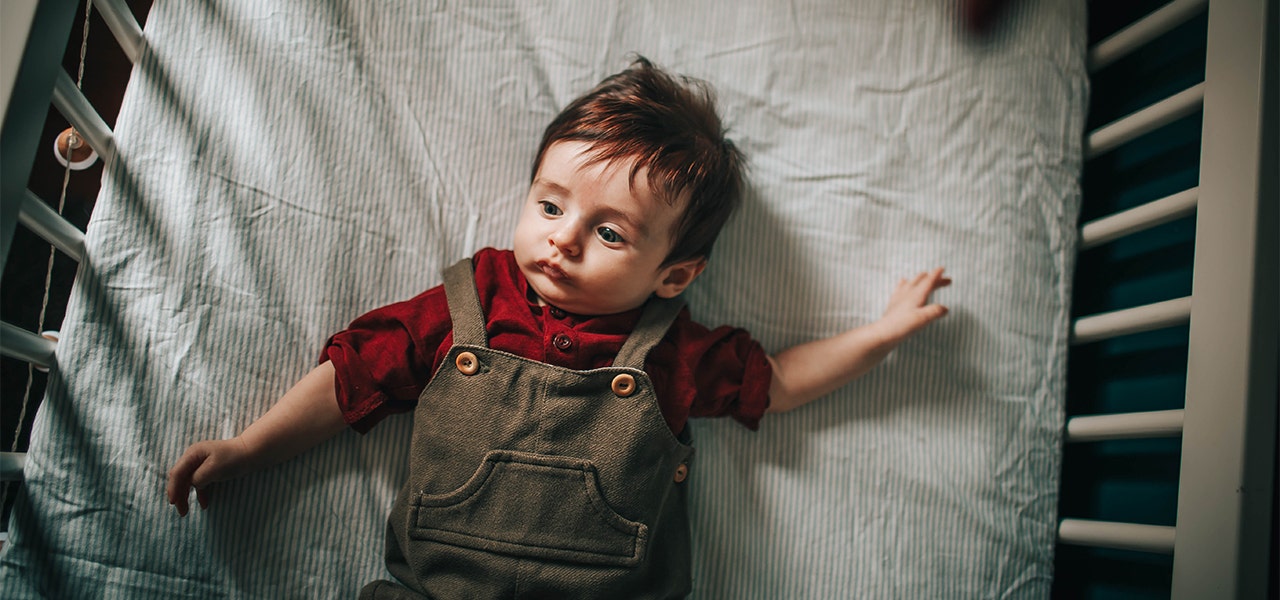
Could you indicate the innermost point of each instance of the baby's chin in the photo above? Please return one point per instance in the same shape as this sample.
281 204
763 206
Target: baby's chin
544 293
573 304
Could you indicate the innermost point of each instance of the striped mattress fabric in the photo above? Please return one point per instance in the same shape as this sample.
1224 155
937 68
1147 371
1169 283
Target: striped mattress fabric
285 166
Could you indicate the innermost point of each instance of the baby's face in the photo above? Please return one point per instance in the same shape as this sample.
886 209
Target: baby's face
590 242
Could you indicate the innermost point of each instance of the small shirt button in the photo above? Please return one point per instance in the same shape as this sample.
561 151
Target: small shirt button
624 385
467 363
557 313
682 473
562 341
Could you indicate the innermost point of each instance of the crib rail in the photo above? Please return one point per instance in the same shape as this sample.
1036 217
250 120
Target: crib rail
35 215
1128 321
1140 218
1120 536
1228 463
1123 43
123 26
30 65
1221 546
1125 426
26 346
1143 31
1113 135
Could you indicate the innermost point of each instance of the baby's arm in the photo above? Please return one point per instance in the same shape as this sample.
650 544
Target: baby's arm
305 416
805 372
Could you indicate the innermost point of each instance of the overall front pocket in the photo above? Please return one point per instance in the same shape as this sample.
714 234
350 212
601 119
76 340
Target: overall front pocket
533 506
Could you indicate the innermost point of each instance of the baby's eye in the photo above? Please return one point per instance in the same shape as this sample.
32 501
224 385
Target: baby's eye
550 209
609 235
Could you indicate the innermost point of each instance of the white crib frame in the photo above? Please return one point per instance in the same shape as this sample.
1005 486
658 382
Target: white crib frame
1221 545
1231 365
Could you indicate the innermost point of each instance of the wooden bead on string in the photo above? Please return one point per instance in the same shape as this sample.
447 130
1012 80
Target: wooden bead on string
72 151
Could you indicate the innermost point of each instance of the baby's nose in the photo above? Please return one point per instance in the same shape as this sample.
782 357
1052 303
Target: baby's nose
565 240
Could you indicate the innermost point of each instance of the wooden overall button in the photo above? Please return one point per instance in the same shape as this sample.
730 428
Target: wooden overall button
624 385
467 363
682 473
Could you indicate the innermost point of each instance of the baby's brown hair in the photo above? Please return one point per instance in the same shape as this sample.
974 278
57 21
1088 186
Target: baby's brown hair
669 125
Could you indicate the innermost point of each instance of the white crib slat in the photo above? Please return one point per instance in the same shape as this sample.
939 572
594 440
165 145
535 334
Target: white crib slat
21 344
1121 536
1157 212
11 465
1125 426
1153 117
123 26
45 222
1131 320
76 108
1150 27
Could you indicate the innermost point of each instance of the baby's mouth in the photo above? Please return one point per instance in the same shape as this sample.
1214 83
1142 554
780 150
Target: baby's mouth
552 271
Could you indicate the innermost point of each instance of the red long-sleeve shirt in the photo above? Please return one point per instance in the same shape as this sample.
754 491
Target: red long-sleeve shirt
385 358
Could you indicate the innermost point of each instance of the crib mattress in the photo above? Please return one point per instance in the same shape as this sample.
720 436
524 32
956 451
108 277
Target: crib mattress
283 167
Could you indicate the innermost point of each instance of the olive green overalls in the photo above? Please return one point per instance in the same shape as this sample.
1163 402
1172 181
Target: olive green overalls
528 480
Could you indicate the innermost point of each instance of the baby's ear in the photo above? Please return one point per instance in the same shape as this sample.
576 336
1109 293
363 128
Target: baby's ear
675 277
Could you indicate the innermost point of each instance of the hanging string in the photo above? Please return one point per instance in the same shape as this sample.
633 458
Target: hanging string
70 138
48 274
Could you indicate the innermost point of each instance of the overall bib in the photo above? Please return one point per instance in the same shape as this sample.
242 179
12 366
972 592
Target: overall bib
528 480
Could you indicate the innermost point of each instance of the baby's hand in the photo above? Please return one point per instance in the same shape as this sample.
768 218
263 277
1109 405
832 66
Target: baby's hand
909 309
202 464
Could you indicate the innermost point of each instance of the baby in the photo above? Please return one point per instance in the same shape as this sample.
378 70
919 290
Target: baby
551 383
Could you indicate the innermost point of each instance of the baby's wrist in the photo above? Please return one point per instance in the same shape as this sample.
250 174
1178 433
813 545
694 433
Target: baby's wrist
246 453
885 334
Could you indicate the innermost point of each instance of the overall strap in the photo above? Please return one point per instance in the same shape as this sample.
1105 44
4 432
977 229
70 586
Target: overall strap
464 304
658 315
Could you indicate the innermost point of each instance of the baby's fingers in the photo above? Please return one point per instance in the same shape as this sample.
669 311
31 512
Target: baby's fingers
182 477
924 284
924 287
178 485
932 312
